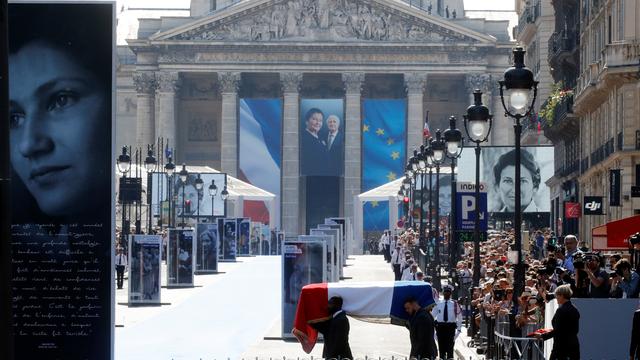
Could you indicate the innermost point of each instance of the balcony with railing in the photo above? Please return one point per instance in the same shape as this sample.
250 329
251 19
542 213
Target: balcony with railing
526 21
563 124
561 46
567 169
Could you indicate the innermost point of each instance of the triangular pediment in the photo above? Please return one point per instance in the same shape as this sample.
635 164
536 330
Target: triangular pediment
332 21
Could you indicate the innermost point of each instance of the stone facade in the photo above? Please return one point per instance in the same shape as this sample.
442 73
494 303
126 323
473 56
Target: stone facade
190 73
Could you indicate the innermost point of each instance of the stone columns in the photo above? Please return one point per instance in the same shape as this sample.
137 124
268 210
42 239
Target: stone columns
229 85
291 223
352 129
166 126
415 84
146 85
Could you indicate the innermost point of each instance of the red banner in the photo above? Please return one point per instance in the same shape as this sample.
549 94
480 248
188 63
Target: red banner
572 210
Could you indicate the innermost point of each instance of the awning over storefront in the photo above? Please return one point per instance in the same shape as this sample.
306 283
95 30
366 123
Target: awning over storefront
614 235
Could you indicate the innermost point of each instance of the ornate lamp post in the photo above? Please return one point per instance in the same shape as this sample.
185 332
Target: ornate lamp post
477 124
124 165
518 84
184 175
199 185
213 191
438 148
150 164
453 140
169 168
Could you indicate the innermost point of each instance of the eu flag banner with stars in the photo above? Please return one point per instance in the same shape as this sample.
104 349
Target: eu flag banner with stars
384 130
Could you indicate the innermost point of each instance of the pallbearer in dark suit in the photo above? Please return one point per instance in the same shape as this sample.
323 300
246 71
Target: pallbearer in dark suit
566 323
335 332
448 317
423 346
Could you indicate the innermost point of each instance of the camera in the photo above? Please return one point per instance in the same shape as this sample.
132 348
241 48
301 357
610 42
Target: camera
578 262
499 294
618 272
634 239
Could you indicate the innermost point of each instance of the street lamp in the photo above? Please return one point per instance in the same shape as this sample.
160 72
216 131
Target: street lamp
518 84
170 168
453 141
438 148
184 175
150 164
213 191
124 165
477 124
199 185
224 194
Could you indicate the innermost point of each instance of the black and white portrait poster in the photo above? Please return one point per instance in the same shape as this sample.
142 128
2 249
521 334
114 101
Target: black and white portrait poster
229 242
207 248
280 236
497 170
244 231
256 231
334 233
329 241
60 130
303 263
180 259
144 269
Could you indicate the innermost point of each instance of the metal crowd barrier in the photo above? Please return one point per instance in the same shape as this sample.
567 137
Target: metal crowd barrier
496 341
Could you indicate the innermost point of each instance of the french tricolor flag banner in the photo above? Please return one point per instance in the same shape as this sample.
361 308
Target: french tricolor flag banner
382 300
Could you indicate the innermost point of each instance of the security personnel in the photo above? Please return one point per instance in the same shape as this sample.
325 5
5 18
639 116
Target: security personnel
121 264
448 317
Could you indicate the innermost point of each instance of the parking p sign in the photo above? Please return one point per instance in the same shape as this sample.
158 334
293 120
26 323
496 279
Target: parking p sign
466 206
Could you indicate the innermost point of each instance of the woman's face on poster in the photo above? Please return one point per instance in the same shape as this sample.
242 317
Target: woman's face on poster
314 122
507 189
56 110
190 194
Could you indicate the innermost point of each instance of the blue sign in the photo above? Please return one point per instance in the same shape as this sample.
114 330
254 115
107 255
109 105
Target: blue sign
466 207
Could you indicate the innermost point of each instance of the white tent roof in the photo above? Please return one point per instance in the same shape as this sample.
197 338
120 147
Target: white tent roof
390 189
235 187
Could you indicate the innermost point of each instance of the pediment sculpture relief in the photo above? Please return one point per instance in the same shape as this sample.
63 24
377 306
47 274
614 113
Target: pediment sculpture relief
325 20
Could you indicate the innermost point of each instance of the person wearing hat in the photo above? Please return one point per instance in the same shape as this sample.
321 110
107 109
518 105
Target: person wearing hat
121 264
448 317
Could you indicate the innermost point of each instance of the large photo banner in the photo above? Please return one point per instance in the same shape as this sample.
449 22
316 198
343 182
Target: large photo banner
322 137
303 263
207 248
229 243
497 170
60 132
144 269
180 258
444 198
384 127
260 152
322 144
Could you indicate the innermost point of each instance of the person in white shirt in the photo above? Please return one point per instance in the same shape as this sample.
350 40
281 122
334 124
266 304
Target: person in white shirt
448 317
385 241
121 264
396 260
410 272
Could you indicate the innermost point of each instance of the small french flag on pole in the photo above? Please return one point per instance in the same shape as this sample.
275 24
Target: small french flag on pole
426 132
380 301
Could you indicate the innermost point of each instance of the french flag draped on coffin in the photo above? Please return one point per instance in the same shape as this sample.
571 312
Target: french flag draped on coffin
382 300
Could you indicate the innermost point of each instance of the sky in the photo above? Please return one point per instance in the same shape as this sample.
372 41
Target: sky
489 5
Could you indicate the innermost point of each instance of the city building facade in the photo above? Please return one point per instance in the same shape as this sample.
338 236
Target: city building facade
181 74
607 101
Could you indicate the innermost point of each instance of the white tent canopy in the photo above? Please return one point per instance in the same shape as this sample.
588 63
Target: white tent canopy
239 191
386 192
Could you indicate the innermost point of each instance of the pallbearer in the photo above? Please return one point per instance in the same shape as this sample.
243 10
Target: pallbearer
448 317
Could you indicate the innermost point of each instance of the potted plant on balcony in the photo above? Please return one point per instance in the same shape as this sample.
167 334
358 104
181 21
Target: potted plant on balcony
558 94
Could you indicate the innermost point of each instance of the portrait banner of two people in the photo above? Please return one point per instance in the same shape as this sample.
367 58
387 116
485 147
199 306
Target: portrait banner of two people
61 125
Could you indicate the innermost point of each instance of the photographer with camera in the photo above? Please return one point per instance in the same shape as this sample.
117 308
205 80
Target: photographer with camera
625 279
598 278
